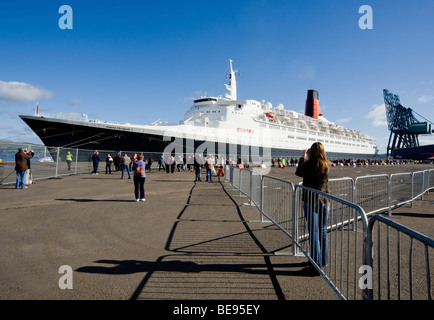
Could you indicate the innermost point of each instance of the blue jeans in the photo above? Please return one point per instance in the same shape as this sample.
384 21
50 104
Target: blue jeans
20 182
126 167
316 217
208 174
95 167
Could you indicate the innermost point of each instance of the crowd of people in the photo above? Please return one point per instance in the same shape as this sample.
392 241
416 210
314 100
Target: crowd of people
194 164
135 166
130 164
293 162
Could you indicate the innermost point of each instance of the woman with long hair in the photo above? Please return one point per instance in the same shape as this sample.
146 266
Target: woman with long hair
139 178
314 168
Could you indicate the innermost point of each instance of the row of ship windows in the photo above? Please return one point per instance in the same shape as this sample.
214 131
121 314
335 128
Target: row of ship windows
330 141
310 133
236 112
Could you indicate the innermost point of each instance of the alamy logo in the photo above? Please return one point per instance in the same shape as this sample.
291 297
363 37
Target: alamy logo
366 21
365 281
65 281
65 21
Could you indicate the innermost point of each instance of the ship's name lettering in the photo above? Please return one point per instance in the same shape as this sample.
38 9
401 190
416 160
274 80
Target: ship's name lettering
119 128
245 130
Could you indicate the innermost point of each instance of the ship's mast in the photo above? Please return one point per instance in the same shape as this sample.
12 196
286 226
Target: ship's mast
232 87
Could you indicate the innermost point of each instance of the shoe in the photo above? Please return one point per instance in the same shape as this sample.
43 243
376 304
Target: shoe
137 200
143 199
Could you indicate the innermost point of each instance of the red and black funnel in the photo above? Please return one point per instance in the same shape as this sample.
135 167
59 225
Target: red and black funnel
312 108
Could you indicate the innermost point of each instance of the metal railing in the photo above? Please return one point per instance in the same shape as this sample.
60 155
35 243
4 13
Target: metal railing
399 266
331 233
382 193
350 202
372 192
277 203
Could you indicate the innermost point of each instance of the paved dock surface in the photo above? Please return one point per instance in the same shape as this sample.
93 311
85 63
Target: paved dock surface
187 241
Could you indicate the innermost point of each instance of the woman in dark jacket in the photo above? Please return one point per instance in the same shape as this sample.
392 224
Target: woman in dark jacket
314 168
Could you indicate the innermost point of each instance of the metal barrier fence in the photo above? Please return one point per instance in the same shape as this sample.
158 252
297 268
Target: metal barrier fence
331 233
345 228
342 188
402 268
277 204
381 193
371 192
376 193
50 162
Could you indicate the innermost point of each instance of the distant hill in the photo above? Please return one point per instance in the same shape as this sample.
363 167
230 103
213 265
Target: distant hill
9 142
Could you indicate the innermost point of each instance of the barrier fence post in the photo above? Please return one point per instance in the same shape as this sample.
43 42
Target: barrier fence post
76 160
295 250
57 161
367 292
261 191
239 180
389 195
251 188
412 189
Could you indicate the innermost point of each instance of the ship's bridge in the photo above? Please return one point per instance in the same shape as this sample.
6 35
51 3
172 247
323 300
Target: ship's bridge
216 111
222 111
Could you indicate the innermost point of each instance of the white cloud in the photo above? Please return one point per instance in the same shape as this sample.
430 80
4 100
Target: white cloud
22 92
378 114
344 120
307 72
196 94
425 99
74 102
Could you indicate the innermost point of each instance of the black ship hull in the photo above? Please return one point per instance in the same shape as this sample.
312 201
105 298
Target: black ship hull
67 135
414 153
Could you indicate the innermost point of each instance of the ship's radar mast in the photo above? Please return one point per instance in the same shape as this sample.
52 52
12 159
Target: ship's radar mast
232 87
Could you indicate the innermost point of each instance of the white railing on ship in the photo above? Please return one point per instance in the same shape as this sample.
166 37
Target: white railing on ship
72 117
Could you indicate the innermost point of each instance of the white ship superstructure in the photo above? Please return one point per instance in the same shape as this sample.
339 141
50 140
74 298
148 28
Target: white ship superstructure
249 121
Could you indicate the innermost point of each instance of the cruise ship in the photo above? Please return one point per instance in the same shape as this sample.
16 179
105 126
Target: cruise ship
216 125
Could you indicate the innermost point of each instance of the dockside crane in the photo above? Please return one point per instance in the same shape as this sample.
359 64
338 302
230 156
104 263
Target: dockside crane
403 126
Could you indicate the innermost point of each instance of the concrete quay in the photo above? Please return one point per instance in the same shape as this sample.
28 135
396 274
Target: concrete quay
187 241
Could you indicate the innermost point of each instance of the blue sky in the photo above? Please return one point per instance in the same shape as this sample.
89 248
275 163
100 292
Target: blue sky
140 61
